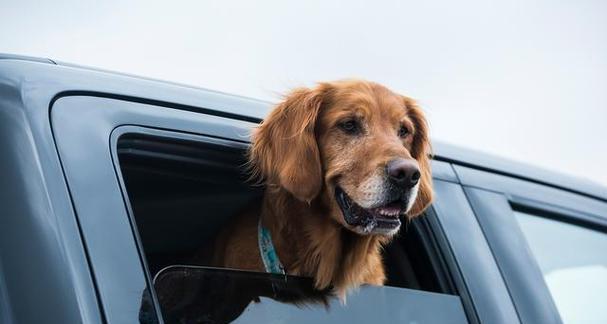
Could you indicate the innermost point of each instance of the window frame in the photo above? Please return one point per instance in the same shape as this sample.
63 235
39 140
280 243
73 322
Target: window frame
494 198
428 224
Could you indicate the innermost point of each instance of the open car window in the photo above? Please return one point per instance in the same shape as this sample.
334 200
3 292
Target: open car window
191 294
183 189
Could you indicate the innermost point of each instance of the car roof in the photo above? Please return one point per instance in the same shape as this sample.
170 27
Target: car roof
64 79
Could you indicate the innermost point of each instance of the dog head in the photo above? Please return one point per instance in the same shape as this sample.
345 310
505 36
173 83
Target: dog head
357 148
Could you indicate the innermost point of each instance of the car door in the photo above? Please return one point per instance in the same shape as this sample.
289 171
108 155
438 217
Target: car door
548 243
87 129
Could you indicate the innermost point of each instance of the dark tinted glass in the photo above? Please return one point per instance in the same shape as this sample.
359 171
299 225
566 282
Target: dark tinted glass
190 294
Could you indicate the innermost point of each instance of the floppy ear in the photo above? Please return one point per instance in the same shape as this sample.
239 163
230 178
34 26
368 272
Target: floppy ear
284 150
421 150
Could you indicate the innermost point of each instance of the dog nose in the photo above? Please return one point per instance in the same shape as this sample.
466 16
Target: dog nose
403 172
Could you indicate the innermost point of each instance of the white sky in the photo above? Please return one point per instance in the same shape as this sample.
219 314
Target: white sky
521 79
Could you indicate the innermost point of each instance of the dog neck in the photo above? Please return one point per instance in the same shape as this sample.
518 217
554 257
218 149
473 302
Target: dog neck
311 243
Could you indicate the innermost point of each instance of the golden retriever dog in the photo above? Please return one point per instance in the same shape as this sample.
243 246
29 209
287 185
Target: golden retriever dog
344 163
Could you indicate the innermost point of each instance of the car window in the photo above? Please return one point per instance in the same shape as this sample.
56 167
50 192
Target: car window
184 189
573 260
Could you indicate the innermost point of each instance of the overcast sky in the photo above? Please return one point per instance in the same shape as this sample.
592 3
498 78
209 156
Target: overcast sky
522 79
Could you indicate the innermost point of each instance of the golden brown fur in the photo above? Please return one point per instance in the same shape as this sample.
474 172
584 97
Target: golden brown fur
301 155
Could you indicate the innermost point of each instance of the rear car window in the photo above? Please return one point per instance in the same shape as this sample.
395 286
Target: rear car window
573 260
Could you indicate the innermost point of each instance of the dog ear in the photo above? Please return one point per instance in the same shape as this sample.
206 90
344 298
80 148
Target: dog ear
421 150
284 150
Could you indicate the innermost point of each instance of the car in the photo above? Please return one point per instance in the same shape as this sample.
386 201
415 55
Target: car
109 181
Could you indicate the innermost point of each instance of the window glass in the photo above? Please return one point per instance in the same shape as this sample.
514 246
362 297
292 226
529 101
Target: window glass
573 260
189 294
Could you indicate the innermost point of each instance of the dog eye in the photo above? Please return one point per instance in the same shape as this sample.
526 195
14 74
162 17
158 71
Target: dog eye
350 127
403 131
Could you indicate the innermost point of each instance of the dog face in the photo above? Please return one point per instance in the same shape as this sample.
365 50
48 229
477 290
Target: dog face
355 147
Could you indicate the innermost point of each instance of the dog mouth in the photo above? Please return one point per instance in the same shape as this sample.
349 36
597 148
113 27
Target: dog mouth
384 219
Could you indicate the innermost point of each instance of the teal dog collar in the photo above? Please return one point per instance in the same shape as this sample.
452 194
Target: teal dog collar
267 251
